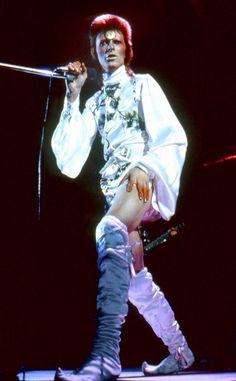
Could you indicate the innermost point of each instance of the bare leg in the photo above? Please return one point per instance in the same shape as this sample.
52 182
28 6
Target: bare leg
128 208
114 261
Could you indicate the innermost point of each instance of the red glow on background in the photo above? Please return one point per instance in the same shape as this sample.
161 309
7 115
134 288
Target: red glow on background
226 158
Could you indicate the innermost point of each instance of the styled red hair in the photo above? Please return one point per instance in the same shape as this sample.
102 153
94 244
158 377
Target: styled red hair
108 21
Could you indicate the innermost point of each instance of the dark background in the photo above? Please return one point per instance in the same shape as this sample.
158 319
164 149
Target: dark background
48 273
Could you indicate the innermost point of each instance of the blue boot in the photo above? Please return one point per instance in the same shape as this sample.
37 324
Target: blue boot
114 258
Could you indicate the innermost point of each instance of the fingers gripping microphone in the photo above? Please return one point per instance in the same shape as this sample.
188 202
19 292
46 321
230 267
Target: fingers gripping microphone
61 72
64 72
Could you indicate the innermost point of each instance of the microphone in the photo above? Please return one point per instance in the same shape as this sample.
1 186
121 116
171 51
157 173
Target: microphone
64 72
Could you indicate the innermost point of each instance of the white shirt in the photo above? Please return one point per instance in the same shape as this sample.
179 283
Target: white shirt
138 128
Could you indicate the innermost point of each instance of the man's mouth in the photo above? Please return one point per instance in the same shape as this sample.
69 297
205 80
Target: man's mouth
110 57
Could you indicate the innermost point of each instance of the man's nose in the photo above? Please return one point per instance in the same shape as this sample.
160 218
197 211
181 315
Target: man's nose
110 46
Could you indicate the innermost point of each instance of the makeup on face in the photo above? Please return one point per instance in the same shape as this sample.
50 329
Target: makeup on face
111 49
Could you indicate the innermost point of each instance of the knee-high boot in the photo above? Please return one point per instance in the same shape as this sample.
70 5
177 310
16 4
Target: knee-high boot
114 259
152 304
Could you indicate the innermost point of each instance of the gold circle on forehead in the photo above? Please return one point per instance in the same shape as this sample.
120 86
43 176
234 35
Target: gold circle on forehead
110 34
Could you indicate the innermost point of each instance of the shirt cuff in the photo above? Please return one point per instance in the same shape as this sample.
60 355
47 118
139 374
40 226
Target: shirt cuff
70 107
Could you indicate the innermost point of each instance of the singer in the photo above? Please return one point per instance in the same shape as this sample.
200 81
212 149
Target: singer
144 149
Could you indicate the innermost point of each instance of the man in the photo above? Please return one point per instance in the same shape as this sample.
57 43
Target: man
144 148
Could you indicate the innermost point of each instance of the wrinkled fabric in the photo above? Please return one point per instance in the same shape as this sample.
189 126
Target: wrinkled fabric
137 127
150 301
95 369
114 259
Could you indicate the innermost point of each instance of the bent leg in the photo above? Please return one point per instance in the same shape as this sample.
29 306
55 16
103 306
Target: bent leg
152 304
145 294
129 209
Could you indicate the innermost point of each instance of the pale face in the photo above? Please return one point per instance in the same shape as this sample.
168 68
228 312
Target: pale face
110 49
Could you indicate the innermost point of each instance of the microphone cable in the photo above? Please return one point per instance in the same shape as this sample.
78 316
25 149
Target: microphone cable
39 187
63 73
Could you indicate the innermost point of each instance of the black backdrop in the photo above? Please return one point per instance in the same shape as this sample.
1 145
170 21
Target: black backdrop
48 270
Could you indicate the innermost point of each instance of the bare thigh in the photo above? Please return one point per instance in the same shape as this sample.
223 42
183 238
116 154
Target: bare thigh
128 208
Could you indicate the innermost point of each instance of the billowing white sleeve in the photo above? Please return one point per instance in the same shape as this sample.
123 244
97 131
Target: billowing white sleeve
167 147
73 138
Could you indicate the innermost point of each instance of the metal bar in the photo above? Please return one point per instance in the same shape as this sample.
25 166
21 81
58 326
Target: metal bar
30 70
163 238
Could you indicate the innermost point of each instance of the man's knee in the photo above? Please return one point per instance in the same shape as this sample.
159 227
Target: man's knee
112 238
110 226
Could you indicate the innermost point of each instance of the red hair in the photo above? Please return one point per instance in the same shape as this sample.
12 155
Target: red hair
108 21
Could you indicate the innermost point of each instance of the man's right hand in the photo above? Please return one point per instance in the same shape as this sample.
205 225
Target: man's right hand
74 87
